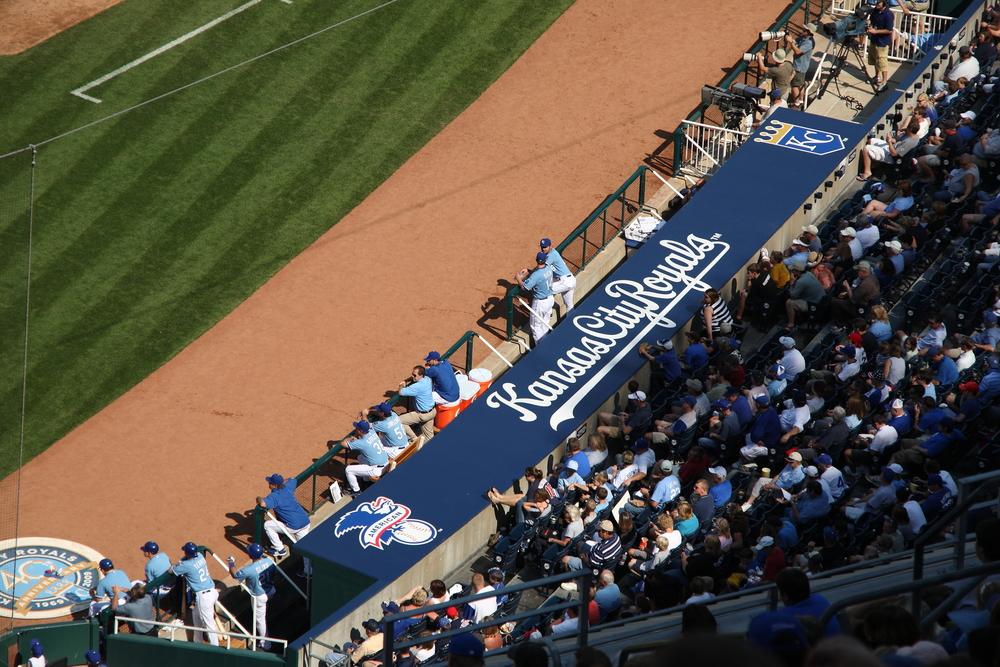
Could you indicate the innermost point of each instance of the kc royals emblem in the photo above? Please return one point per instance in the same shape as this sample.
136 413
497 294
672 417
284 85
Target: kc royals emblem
42 577
798 138
382 522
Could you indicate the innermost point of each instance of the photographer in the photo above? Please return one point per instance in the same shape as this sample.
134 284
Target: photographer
880 27
802 49
780 73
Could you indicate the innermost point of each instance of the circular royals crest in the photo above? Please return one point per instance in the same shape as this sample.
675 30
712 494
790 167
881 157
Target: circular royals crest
44 577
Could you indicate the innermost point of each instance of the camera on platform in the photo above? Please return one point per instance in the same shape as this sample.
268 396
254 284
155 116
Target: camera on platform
768 35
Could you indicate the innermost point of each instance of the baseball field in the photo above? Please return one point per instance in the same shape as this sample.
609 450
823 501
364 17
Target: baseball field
150 226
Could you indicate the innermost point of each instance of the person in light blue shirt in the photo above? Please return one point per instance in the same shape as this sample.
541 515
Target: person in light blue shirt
799 258
156 563
812 504
539 283
194 570
668 488
932 336
442 375
569 478
111 578
563 281
371 456
254 578
420 390
389 427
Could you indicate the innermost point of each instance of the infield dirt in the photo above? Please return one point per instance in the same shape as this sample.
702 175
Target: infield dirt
407 271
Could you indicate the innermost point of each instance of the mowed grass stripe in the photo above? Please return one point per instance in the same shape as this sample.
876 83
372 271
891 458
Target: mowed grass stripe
178 240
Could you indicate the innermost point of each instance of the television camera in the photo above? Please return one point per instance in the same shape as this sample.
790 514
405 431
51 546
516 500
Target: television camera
848 27
736 104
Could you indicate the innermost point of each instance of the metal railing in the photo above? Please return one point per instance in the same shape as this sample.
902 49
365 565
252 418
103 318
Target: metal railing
591 236
313 482
174 626
706 147
913 33
582 578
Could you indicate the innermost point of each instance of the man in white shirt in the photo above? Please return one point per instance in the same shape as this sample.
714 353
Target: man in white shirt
483 608
792 359
885 435
967 67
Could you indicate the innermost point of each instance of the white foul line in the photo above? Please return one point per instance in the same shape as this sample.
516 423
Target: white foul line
80 92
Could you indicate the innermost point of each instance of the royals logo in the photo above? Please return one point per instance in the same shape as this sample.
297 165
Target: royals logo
42 577
382 522
798 138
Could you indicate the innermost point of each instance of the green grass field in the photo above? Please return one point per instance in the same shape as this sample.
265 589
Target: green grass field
152 226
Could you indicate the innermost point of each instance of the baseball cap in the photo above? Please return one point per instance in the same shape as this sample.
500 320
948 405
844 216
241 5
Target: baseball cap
275 479
190 548
811 471
888 474
732 391
690 400
666 465
694 384
371 625
848 231
37 650
933 351
637 396
92 657
150 548
383 407
896 468
810 27
778 370
794 456
362 426
811 229
666 344
545 243
572 465
895 246
864 266
801 242
451 612
106 564
824 459
640 445
848 351
718 471
540 257
935 478
989 317
787 341
968 115
970 386
390 607
720 404
897 404
761 399
764 542
466 645
778 632
433 355
776 93
255 550
606 525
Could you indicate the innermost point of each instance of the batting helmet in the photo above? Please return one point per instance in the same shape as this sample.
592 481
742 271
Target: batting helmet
92 657
36 648
106 564
190 548
150 548
255 551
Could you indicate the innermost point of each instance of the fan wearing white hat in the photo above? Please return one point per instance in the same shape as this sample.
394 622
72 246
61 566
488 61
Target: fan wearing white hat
894 253
789 476
810 234
778 68
902 202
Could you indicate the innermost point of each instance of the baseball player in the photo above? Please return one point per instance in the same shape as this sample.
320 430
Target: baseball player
539 283
156 563
563 282
37 658
290 515
390 429
105 589
194 569
250 574
371 456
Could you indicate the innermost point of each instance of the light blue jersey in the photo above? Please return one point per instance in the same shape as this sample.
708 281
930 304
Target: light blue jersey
156 566
392 431
113 578
370 448
539 283
422 393
250 574
195 573
555 262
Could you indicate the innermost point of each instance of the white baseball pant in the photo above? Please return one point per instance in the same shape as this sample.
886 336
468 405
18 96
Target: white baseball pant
361 471
540 315
204 615
273 529
567 287
259 603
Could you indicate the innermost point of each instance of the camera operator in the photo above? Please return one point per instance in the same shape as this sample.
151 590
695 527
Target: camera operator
780 73
802 49
880 28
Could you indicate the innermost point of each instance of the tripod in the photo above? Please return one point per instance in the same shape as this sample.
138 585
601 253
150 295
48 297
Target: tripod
845 47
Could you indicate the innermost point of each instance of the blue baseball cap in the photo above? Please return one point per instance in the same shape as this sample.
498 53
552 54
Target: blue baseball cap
390 607
640 445
762 399
37 650
690 400
362 426
776 93
825 459
720 404
275 479
778 370
106 564
848 351
255 550
888 474
150 548
990 317
544 243
935 478
384 408
466 645
433 355
541 257
92 657
190 548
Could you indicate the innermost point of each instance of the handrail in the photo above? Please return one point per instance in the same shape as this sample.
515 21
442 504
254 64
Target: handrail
907 587
582 578
173 627
580 231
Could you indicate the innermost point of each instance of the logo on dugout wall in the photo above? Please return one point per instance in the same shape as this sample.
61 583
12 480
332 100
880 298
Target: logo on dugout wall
382 522
44 577
798 138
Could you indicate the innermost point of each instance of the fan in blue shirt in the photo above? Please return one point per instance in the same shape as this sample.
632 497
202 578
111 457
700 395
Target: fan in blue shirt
947 371
696 354
442 376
